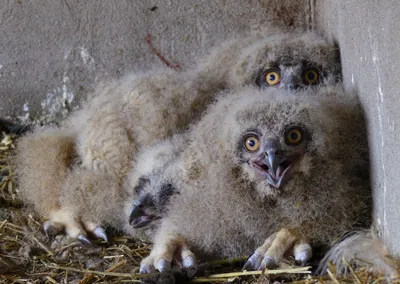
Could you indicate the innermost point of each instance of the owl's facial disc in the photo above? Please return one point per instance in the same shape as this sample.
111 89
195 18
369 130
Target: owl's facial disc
274 158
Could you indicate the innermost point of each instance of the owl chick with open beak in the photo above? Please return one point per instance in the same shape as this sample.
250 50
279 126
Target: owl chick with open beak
260 170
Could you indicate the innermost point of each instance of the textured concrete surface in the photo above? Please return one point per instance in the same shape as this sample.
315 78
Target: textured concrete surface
53 52
369 38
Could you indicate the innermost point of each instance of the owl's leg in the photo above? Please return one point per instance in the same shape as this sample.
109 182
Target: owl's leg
168 248
280 245
43 159
254 261
61 219
95 198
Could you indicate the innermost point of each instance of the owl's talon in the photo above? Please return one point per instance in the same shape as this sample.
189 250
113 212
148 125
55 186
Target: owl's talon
47 229
170 250
51 229
302 253
253 262
100 233
146 269
189 262
163 265
268 262
84 240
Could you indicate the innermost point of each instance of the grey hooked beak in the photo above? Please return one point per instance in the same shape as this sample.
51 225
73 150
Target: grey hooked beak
273 158
135 211
275 164
290 83
137 216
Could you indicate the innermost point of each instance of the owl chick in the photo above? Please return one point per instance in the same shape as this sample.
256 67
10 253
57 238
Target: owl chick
280 59
261 169
136 111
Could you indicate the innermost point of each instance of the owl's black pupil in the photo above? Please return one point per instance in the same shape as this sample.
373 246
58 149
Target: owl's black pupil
293 135
252 143
272 77
311 75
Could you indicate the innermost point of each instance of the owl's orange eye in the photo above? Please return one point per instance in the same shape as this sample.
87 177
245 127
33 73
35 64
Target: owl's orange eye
311 76
251 143
272 76
293 136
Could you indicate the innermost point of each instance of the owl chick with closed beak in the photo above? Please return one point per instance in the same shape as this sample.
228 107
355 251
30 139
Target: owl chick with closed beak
94 148
261 172
285 60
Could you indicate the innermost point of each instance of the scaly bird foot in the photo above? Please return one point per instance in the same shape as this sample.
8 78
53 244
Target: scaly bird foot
275 247
169 250
61 220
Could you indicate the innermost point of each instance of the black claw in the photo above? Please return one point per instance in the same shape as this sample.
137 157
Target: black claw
248 266
146 269
253 262
50 230
84 240
47 228
163 265
100 233
268 262
191 272
301 262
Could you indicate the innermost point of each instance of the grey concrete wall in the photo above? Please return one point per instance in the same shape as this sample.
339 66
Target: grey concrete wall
52 52
368 33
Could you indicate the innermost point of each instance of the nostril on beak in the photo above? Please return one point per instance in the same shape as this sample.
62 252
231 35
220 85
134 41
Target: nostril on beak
273 158
273 152
291 87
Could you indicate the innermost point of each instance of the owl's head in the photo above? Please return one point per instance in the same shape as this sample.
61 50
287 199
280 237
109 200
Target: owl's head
274 138
289 61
